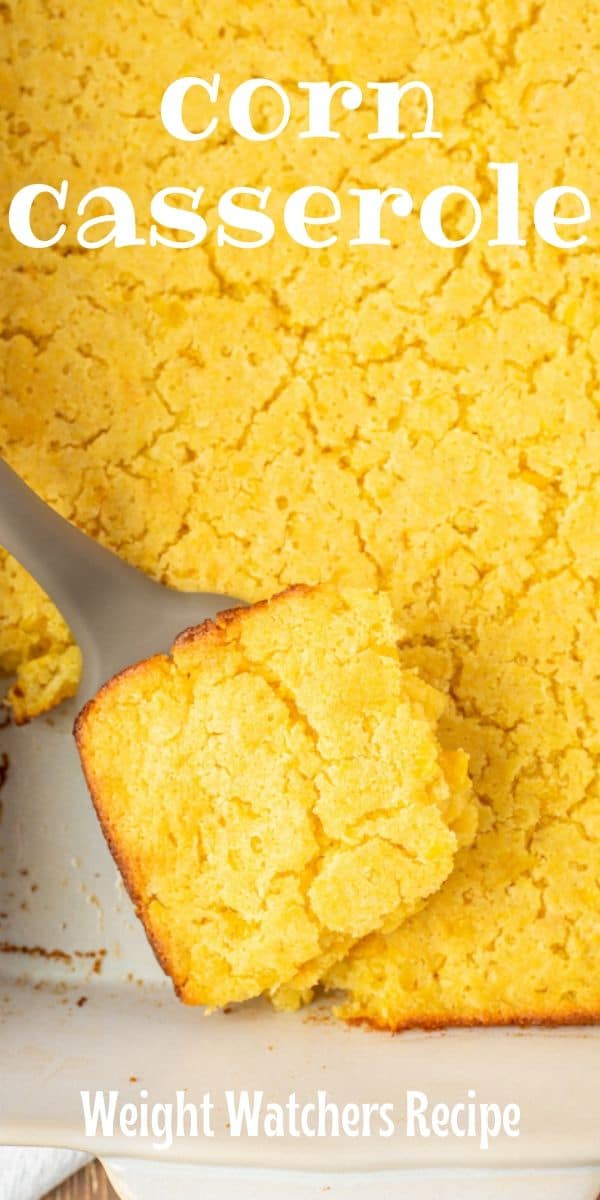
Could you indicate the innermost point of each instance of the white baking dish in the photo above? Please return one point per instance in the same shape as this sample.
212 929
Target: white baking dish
100 1015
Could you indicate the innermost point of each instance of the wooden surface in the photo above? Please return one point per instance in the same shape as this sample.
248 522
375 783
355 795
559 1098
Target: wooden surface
89 1184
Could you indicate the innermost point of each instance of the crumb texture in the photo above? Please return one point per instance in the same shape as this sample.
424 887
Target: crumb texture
274 791
35 646
420 421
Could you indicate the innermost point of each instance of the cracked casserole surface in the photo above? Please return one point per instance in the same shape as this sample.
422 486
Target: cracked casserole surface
274 790
407 418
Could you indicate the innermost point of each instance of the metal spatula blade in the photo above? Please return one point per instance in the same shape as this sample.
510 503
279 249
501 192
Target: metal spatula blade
115 612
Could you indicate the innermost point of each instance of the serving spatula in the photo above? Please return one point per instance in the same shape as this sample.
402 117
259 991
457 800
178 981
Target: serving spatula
117 614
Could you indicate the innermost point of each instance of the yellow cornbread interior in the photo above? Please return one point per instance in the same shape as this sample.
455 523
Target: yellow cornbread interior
401 417
274 791
35 645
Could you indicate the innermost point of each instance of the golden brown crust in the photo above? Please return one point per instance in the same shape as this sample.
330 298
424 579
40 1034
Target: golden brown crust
486 1020
111 841
214 627
82 716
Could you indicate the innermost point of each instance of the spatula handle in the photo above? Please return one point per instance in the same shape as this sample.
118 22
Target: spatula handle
117 614
67 564
36 536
